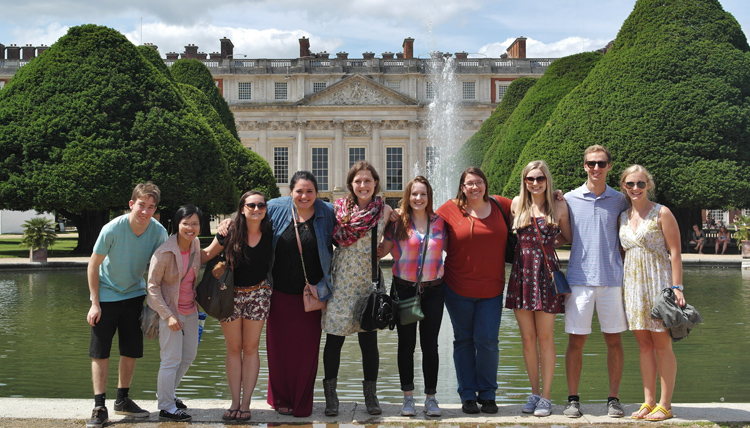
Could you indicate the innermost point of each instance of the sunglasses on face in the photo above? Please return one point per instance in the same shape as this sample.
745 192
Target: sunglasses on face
540 179
252 205
640 184
591 164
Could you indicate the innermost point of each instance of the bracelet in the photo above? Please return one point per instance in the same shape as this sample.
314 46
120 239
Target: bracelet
678 287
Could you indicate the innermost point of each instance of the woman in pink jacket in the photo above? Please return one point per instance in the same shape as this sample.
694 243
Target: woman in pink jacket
171 293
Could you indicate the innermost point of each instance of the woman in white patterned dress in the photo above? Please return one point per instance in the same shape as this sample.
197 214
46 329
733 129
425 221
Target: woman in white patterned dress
351 277
651 239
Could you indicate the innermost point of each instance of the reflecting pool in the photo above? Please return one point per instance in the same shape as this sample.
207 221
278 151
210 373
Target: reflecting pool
44 341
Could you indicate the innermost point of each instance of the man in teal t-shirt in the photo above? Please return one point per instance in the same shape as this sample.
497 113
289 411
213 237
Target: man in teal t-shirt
115 276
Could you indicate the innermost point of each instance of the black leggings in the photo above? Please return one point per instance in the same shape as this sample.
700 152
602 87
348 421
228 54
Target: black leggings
368 343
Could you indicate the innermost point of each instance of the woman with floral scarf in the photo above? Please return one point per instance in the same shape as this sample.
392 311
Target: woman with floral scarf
351 275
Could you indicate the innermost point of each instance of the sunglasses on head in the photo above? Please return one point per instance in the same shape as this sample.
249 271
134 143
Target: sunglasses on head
252 205
591 164
540 179
640 184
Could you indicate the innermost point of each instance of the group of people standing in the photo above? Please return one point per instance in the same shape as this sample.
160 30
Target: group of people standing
275 248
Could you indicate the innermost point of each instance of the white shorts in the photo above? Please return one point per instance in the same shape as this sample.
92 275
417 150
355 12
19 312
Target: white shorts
580 304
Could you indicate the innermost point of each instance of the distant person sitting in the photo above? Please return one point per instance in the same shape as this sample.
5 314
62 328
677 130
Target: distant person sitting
722 239
697 238
710 222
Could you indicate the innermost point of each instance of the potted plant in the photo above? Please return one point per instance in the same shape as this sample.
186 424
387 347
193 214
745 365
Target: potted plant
742 235
38 235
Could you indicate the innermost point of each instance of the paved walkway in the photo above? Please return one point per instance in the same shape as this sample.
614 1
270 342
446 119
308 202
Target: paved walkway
203 411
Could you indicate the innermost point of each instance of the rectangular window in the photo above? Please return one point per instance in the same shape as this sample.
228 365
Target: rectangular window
281 164
279 91
394 84
432 157
356 154
469 90
430 91
394 168
245 90
320 167
500 92
319 86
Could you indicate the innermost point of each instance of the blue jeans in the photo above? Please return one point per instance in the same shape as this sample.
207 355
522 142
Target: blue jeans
476 324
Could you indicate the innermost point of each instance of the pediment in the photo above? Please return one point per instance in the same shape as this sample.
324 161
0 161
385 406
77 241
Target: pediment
357 90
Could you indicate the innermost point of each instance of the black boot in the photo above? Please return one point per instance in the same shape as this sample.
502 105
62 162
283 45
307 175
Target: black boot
371 400
332 399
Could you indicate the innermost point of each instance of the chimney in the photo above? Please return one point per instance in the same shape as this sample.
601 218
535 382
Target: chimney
304 47
201 55
173 56
214 55
227 48
400 55
14 52
342 55
2 51
151 45
462 55
368 55
323 55
387 55
39 50
518 48
408 48
29 52
191 51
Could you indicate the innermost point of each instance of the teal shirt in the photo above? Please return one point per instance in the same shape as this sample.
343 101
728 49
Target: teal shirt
126 258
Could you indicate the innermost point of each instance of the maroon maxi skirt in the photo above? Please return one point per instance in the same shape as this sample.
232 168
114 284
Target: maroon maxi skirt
292 345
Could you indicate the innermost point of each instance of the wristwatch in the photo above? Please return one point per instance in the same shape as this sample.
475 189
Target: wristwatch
678 287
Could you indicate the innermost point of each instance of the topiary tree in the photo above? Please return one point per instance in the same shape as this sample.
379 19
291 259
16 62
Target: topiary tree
673 94
88 119
473 152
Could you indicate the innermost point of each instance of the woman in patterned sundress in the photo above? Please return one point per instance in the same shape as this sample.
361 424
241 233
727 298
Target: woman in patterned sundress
651 239
351 277
536 213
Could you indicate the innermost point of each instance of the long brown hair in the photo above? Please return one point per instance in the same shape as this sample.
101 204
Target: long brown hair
523 216
403 228
351 198
237 236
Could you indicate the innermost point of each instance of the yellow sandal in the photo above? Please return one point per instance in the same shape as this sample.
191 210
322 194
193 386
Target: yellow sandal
651 416
637 415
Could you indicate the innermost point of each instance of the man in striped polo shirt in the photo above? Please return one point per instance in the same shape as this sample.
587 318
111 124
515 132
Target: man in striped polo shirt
595 276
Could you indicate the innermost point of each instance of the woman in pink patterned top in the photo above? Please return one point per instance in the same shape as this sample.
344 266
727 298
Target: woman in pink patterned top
406 240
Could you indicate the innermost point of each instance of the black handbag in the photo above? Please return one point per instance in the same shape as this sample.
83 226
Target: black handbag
380 310
512 240
215 292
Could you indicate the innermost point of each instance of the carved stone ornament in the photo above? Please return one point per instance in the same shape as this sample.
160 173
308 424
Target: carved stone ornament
357 128
357 90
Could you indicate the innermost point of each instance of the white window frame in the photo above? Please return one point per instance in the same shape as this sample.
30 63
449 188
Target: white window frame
319 86
280 89
321 172
469 91
281 166
244 91
394 168
353 158
500 89
394 85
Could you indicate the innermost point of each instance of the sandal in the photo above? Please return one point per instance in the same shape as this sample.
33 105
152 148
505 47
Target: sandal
638 415
230 414
286 411
659 409
241 415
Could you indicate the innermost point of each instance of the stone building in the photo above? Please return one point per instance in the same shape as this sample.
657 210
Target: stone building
322 113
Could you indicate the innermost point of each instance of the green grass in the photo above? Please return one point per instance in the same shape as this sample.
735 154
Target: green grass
9 246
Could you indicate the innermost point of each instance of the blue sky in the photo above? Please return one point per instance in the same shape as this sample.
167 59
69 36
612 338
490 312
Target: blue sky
271 28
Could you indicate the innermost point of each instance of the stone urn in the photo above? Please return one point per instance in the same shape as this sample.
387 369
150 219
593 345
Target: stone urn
38 255
745 249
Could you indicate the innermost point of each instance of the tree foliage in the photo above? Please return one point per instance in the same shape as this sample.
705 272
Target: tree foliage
673 94
88 119
194 72
473 152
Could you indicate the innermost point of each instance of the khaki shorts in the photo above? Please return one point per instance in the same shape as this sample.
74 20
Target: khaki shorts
580 304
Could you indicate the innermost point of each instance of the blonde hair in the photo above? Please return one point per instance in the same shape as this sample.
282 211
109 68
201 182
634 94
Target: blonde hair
650 193
524 215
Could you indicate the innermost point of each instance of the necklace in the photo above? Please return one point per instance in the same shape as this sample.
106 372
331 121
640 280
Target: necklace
637 216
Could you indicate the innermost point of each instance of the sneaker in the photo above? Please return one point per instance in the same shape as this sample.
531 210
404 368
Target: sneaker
470 407
128 407
178 416
407 408
614 409
488 406
179 404
543 408
431 406
98 417
530 405
573 409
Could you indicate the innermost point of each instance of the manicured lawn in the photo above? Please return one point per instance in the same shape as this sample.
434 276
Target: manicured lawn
9 246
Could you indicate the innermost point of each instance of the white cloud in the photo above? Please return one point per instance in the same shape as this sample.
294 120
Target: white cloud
538 49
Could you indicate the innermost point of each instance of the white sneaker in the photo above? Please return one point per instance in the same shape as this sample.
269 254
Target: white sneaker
543 408
407 408
431 406
530 405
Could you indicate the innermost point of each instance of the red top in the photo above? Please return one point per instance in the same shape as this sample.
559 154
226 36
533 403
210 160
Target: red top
475 264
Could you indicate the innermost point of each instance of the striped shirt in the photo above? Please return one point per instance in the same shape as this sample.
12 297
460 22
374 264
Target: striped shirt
407 255
594 220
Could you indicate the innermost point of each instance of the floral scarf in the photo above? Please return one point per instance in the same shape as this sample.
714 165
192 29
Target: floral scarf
347 233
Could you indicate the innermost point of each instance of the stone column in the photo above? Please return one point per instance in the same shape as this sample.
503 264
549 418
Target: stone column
301 147
412 155
376 150
263 150
338 158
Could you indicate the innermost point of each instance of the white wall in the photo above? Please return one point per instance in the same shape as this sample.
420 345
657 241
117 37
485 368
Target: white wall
12 221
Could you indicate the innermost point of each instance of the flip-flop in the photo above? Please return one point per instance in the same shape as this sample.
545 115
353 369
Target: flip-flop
659 409
637 415
230 414
241 415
